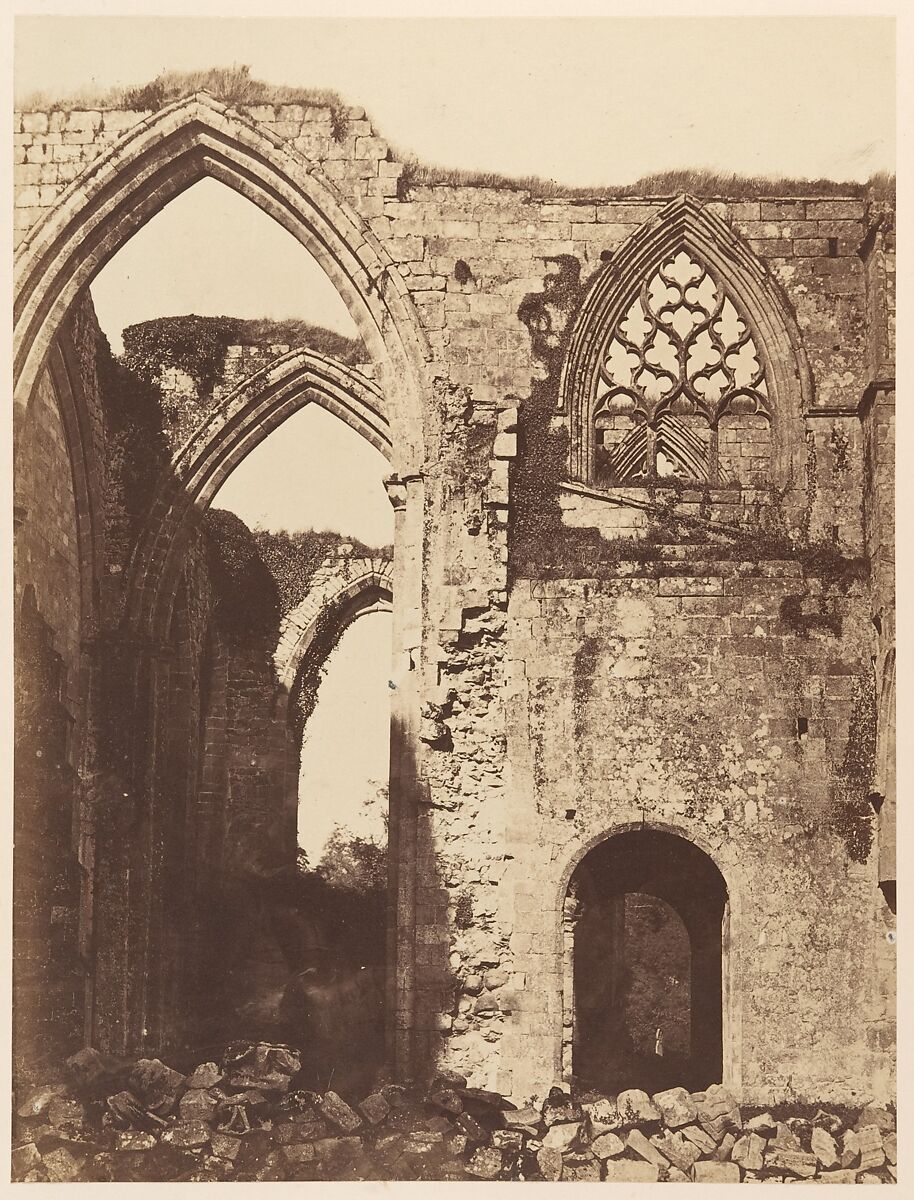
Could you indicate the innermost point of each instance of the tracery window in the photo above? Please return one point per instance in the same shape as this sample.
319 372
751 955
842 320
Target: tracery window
680 390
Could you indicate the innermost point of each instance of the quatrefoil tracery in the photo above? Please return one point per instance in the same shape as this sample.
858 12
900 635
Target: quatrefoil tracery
683 349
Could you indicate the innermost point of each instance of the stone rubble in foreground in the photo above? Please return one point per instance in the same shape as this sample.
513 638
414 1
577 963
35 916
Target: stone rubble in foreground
246 1119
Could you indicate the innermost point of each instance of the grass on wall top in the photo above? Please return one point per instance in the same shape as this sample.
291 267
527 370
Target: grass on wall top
234 86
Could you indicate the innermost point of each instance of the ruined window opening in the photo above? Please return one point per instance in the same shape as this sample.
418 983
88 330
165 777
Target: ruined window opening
679 361
645 930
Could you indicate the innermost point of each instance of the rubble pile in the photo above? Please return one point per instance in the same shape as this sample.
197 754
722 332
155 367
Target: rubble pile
247 1117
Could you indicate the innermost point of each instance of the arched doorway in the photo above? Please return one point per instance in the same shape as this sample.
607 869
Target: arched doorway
645 930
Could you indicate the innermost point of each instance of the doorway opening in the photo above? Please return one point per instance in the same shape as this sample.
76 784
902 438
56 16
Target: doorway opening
645 936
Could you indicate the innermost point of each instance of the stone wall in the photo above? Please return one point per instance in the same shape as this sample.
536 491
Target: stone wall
555 683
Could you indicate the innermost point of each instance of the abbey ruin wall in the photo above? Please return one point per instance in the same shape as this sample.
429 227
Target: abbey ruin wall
711 657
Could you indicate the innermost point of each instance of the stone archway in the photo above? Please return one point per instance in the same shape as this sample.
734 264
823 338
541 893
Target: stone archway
645 933
159 158
241 421
116 194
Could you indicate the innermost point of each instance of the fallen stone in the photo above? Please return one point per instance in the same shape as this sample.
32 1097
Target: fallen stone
836 1177
872 1153
486 1163
674 1175
471 1127
446 1078
873 1114
155 1086
197 1105
637 1142
549 1161
715 1172
60 1165
764 1123
63 1113
784 1138
338 1112
705 1143
677 1149
457 1144
868 1177
509 1140
748 1152
794 1162
525 1118
636 1107
374 1109
299 1154
850 1148
447 1100
607 1145
604 1115
266 1067
717 1111
90 1068
621 1170
581 1170
561 1111
207 1075
127 1111
133 1139
722 1153
823 1147
339 1149
560 1137
188 1135
892 1171
890 1146
676 1107
225 1145
25 1158
39 1099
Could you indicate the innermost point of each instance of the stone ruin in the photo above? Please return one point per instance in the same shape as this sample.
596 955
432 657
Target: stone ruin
642 744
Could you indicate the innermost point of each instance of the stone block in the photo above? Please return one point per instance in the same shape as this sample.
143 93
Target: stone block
793 1162
25 1158
486 1163
622 1170
34 122
676 1107
705 1143
60 1165
374 1109
607 1145
636 1106
640 1145
844 1176
748 1152
872 1153
549 1161
335 1109
678 1149
581 1170
823 1147
715 1172
561 1137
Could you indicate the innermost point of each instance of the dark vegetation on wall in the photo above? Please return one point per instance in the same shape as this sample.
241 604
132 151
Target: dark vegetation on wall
292 558
197 345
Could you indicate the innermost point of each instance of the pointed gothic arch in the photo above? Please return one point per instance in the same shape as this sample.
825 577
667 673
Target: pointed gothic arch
247 415
164 155
685 226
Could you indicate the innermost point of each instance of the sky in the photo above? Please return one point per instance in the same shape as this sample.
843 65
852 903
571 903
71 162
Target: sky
585 102
580 100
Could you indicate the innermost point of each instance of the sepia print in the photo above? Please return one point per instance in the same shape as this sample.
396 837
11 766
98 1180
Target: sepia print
454 603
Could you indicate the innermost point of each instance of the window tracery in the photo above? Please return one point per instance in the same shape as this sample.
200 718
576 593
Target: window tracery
679 360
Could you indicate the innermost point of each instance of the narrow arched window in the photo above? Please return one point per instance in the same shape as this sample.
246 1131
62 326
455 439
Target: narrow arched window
680 389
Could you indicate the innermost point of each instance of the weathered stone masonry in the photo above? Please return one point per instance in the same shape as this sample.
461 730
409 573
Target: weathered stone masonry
574 657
